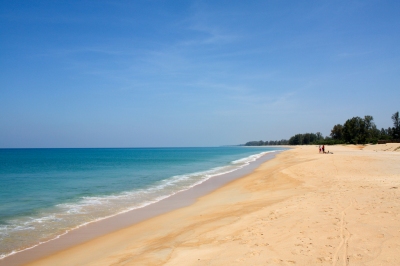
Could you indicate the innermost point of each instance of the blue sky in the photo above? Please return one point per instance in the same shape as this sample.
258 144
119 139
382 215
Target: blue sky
192 73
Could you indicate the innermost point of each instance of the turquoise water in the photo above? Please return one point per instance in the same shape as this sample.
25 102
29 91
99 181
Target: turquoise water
45 193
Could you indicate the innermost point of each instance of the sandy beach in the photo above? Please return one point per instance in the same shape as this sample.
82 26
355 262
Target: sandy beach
301 208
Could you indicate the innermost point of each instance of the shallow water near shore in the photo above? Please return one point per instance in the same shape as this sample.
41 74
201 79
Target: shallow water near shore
47 192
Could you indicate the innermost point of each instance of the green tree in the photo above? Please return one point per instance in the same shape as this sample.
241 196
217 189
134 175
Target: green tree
369 124
319 136
396 125
337 132
374 133
254 143
296 140
371 132
396 120
354 130
390 132
306 139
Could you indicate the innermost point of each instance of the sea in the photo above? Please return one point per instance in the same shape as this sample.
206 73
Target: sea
45 193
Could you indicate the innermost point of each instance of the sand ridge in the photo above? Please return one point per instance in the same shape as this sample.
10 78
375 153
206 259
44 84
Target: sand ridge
383 147
301 208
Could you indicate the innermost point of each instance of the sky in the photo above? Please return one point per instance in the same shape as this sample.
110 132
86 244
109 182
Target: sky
192 73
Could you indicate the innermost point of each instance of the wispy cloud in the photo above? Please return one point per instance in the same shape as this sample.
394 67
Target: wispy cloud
345 55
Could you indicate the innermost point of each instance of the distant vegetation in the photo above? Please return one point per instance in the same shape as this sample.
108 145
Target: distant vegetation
356 130
271 142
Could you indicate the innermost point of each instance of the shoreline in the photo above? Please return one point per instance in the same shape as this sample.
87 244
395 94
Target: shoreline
300 208
107 225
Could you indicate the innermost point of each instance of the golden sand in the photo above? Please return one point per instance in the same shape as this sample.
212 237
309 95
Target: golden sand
301 208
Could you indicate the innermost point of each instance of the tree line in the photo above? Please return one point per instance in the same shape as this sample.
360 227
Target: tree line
355 130
359 130
266 143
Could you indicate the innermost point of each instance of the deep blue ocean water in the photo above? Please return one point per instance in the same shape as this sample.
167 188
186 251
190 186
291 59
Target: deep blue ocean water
47 192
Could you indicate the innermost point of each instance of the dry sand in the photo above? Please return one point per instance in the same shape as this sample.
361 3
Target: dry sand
301 208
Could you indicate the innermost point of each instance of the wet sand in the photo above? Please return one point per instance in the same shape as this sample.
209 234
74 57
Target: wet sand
112 224
300 208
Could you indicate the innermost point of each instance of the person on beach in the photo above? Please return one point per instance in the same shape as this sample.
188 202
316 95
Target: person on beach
323 148
319 147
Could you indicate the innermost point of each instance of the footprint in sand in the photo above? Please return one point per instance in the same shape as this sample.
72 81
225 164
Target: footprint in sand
252 254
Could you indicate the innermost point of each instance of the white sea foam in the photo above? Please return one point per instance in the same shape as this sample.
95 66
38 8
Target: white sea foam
70 216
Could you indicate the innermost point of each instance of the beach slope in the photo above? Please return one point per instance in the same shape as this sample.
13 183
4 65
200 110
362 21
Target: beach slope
301 208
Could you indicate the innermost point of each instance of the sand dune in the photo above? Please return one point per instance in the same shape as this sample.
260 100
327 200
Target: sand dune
301 208
383 147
